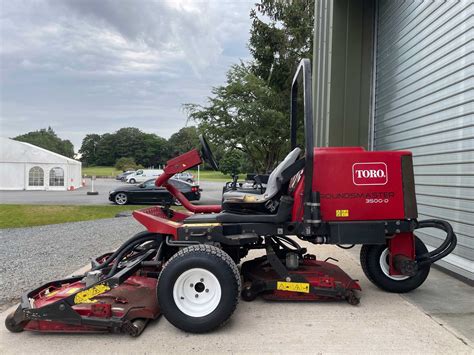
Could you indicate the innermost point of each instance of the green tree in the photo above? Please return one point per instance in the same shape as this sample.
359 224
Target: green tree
145 148
280 36
230 163
125 164
246 115
184 140
89 148
47 139
250 112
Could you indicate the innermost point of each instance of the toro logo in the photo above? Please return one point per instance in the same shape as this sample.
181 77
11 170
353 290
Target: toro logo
369 173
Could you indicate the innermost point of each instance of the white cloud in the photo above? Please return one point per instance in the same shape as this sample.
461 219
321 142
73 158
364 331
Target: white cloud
86 66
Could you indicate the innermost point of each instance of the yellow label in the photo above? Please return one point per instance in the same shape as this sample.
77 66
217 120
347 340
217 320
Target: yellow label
342 213
201 225
87 295
293 286
72 290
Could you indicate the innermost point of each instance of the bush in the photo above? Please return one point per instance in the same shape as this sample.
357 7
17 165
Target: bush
125 164
230 163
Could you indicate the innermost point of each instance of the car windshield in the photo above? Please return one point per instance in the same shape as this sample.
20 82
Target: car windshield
149 183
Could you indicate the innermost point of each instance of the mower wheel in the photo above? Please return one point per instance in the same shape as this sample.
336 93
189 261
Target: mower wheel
247 294
374 262
198 289
12 326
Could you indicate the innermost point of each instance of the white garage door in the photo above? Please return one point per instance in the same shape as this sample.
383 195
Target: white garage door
425 103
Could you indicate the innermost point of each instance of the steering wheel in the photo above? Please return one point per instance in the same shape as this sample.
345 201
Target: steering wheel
207 154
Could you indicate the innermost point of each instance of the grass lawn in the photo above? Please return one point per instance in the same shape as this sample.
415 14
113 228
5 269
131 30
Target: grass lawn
100 171
12 216
211 175
206 175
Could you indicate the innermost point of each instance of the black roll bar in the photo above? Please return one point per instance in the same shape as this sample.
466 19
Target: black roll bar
303 76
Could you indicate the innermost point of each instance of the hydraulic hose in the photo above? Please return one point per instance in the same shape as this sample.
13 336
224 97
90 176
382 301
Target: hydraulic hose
281 240
124 245
445 248
129 248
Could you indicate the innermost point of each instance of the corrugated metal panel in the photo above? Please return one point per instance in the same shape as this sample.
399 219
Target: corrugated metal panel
424 102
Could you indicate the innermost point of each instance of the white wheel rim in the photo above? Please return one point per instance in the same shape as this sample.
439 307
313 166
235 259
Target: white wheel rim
121 199
197 292
385 267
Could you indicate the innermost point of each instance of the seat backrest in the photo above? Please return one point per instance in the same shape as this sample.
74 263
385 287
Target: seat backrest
275 178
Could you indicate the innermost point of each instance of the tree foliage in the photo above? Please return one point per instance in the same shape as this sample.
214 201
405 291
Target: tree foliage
246 115
146 149
47 139
126 163
230 164
250 112
184 140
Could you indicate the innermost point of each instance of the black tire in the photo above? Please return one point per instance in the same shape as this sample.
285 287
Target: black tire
190 181
214 261
132 181
121 198
370 260
12 326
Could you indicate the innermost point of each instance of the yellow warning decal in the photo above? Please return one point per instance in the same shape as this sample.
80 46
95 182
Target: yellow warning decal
293 286
342 213
72 290
87 295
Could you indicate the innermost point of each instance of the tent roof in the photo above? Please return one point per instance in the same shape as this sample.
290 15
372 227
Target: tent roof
12 151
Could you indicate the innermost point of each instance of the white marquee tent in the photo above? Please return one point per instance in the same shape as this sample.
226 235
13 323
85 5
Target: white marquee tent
24 166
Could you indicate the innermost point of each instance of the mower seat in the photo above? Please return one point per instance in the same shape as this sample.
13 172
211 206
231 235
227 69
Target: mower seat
283 214
274 185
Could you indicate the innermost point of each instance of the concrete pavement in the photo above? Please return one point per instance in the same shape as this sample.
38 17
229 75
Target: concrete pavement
382 323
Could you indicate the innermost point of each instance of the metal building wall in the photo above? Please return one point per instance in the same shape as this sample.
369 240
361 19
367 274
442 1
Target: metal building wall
424 102
342 71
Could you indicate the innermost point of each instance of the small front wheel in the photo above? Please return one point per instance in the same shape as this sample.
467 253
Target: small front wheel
374 260
132 181
198 289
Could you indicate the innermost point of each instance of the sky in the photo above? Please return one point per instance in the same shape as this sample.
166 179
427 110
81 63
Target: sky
88 66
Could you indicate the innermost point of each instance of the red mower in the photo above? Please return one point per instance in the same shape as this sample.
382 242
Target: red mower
185 264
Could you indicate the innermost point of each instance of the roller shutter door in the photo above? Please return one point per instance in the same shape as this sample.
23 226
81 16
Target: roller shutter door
424 102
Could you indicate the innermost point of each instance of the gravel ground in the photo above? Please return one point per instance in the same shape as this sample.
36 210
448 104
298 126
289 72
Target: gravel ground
32 256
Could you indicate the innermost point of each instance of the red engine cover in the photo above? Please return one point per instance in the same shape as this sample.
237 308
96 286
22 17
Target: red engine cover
358 185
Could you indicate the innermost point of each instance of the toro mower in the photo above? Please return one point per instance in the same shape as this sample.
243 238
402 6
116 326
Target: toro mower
185 266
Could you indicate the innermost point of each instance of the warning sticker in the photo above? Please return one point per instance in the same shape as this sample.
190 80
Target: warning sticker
342 213
293 286
87 295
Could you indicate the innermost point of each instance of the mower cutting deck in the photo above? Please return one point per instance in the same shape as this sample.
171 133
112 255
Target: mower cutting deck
185 265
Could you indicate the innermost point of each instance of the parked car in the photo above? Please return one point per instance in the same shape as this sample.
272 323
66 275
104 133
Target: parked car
143 175
123 176
147 192
185 177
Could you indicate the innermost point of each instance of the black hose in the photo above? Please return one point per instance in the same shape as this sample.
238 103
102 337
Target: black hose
445 248
124 245
281 240
344 247
127 249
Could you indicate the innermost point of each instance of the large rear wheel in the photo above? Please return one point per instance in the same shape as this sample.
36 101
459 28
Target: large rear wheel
199 288
374 262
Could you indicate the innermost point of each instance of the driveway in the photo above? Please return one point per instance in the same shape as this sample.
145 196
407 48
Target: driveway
211 194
